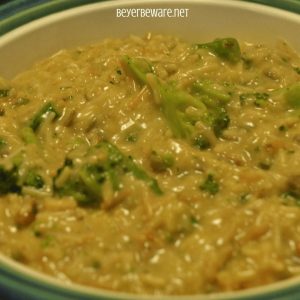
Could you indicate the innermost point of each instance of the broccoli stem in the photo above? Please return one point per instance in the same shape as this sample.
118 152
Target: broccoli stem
175 102
41 115
89 179
292 96
140 174
226 48
258 99
139 67
118 159
28 135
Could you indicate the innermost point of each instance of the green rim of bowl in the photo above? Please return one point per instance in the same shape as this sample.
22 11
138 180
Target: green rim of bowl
23 12
12 283
25 15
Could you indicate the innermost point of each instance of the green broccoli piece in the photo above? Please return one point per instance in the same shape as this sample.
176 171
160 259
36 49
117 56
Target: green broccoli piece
9 181
297 70
4 93
117 160
85 181
220 121
293 187
33 179
139 67
160 161
258 99
28 135
41 115
215 99
28 132
140 174
292 95
74 188
92 176
291 198
289 94
12 180
226 48
201 142
210 185
181 109
174 103
212 91
3 143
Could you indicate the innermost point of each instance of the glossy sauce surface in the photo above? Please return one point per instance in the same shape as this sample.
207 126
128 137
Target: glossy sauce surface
228 215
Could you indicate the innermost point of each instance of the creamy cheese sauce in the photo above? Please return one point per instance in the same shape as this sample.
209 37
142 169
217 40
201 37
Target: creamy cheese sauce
205 208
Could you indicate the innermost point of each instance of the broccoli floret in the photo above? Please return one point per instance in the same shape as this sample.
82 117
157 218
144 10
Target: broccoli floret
181 109
42 114
226 48
258 99
215 100
174 103
201 142
117 160
12 180
139 67
213 92
74 188
220 121
85 181
210 185
34 179
4 93
9 181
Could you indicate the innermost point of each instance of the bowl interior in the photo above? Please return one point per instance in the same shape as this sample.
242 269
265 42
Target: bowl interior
207 19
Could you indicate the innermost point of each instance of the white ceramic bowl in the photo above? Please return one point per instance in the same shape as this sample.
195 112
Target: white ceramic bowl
207 19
